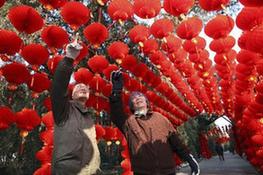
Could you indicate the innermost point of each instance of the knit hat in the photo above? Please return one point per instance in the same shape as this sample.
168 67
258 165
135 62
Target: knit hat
132 96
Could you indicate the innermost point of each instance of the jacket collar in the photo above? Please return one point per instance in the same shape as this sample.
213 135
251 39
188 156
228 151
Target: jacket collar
80 107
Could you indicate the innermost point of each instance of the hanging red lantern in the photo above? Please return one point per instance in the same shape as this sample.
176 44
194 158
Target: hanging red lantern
97 83
129 62
39 82
45 154
7 117
10 43
96 33
257 139
120 10
247 57
150 46
139 33
35 54
100 131
83 53
177 7
107 72
106 91
255 40
252 3
219 27
27 119
47 137
195 44
2 2
16 73
147 8
180 55
45 169
25 19
159 31
140 70
189 28
171 44
249 17
222 45
98 63
75 14
52 4
48 120
53 62
225 58
54 36
126 164
110 133
83 75
118 50
213 5
199 56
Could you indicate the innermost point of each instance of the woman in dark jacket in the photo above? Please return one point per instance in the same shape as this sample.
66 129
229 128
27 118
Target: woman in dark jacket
151 137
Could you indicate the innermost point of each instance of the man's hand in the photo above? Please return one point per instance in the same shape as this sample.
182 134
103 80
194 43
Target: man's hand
117 81
195 170
73 49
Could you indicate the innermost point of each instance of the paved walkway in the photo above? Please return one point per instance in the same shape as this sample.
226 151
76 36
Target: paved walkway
233 165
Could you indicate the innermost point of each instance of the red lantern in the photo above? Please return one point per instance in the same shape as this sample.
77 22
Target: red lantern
52 4
45 154
47 137
53 62
7 117
83 75
75 14
252 3
213 5
25 19
219 27
159 31
118 50
97 83
83 53
110 133
100 131
106 91
147 8
126 164
195 44
39 82
171 44
27 119
255 40
189 28
129 62
107 72
48 120
96 33
35 54
55 36
45 169
139 33
178 7
150 46
98 63
10 43
16 73
247 57
222 45
249 17
120 10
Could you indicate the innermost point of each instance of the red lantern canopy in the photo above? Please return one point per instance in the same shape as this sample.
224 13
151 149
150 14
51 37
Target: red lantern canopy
139 33
25 19
222 45
189 28
147 8
27 119
53 62
83 75
120 10
219 27
209 5
35 54
98 63
52 4
55 36
39 82
177 7
171 44
195 44
162 28
10 43
252 3
96 33
249 17
118 50
75 14
16 73
7 117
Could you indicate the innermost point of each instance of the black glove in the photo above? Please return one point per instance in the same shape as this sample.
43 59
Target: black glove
117 81
195 170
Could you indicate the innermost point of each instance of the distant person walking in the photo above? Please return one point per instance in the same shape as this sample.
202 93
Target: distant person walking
220 151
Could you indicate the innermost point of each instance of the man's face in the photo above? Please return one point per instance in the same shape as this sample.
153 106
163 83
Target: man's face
139 102
80 92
